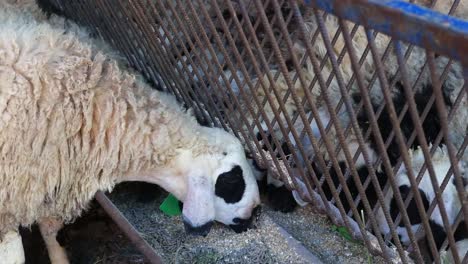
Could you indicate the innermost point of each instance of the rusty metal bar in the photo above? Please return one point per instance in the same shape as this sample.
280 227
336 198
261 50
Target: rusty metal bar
127 228
444 34
178 44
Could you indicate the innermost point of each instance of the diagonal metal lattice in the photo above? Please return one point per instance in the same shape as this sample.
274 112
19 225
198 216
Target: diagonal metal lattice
338 99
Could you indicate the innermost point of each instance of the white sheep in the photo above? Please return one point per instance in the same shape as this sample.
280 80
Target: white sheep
74 122
450 197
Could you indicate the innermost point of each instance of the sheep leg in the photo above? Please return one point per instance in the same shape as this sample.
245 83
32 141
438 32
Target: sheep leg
49 228
11 248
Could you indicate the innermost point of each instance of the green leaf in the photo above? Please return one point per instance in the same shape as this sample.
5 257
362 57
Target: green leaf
170 206
343 231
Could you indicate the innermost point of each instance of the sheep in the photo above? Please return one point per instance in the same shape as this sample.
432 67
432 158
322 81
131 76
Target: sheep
74 122
452 88
450 198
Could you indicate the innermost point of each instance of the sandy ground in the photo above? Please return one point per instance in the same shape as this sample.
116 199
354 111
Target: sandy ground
94 238
263 244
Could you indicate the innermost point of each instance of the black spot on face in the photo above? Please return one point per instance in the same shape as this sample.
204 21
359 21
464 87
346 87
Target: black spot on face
412 209
438 233
461 232
281 199
230 185
431 124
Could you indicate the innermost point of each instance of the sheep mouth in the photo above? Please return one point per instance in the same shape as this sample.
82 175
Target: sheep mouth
241 225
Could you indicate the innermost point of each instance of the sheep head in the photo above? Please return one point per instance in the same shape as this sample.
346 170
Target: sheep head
214 184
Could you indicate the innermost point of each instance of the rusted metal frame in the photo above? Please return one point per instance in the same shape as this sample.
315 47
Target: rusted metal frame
413 136
125 46
330 77
315 65
287 94
138 18
184 64
460 213
371 87
271 56
376 131
314 80
442 33
343 52
208 76
301 110
230 66
285 72
122 47
449 173
424 147
442 112
259 73
248 80
348 222
388 168
433 149
452 10
294 79
196 68
354 158
185 68
394 81
353 120
280 101
321 161
403 112
456 223
215 86
350 111
263 41
421 172
123 43
127 228
246 138
399 137
173 61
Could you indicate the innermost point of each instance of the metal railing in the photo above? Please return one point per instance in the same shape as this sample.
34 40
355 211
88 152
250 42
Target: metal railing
270 70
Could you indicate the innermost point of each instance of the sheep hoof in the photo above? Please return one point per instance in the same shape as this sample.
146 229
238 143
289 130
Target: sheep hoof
11 248
49 228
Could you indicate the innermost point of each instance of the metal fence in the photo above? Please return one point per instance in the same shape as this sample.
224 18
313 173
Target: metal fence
366 98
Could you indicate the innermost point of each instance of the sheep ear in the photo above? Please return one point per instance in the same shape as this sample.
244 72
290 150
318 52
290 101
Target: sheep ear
199 201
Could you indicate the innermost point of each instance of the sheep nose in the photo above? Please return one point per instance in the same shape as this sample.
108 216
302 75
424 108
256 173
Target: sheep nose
201 230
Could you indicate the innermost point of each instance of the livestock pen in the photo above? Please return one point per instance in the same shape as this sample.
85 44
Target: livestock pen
358 107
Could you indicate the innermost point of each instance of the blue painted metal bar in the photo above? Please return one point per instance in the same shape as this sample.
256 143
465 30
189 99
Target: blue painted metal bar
443 34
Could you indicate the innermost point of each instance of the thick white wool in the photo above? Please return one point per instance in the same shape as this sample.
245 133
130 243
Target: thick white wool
73 122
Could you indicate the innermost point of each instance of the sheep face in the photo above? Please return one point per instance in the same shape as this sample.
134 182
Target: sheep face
449 196
218 185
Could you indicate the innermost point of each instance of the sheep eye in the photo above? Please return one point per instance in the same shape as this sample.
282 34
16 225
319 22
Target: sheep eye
230 185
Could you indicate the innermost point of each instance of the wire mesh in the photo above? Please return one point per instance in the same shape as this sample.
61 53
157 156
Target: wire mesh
367 128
